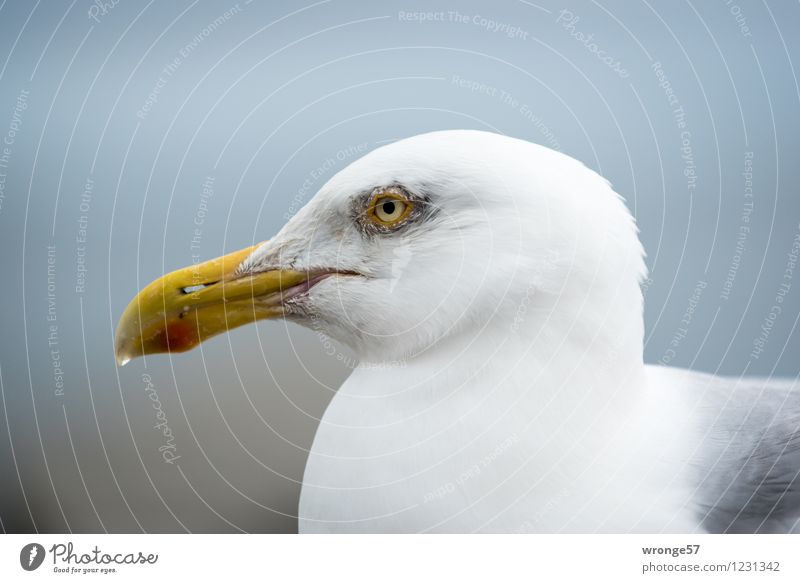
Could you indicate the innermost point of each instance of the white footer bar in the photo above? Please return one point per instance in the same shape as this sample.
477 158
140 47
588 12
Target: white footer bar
388 558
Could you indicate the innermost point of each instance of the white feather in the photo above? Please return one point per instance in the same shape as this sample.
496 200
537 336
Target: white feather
502 386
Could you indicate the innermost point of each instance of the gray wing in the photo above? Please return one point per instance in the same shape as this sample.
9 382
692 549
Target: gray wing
746 467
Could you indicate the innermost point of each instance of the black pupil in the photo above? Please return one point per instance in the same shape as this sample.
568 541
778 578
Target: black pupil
388 208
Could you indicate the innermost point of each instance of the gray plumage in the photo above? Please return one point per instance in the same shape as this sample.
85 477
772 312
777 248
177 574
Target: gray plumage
746 466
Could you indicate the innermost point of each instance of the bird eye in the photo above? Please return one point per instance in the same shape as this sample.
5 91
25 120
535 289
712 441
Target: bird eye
389 209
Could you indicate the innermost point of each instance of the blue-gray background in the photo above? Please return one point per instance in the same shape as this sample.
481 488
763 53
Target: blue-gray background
114 116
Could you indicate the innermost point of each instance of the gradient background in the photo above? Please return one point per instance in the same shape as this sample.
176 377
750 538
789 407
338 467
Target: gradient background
268 103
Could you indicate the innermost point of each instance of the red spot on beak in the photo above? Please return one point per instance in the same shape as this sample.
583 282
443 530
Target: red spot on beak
177 337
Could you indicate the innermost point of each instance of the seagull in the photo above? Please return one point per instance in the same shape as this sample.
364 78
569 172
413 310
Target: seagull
491 289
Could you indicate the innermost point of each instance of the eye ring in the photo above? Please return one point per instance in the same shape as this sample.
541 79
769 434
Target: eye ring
389 209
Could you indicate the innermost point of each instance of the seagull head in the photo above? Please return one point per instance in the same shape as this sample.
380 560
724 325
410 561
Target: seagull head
440 235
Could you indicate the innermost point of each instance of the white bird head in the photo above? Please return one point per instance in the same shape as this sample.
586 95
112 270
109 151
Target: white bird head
434 236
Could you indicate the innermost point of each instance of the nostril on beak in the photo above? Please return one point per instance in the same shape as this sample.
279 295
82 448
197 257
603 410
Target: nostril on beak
190 289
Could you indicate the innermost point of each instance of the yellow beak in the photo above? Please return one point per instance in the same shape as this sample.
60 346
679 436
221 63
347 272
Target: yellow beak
180 310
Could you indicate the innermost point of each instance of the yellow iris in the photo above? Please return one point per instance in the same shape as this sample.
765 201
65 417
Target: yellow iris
389 209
